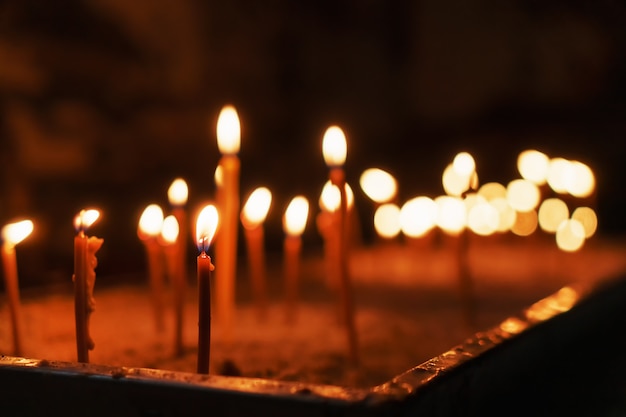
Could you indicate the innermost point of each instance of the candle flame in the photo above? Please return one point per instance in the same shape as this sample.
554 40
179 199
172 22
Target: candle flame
170 230
295 217
219 175
228 131
85 219
256 207
206 225
464 164
451 214
570 235
418 216
14 233
378 185
330 198
523 195
588 218
533 166
551 213
151 221
387 221
178 192
334 147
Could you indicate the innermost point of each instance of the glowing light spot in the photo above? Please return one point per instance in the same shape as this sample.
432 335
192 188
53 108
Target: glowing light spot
418 216
533 166
570 235
522 195
378 185
551 213
525 223
587 217
451 214
387 220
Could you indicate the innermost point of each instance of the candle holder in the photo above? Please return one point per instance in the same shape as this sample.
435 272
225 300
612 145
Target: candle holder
553 355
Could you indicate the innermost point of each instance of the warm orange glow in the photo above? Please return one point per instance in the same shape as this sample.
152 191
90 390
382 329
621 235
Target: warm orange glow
206 224
256 207
295 217
525 223
418 216
14 233
334 147
228 131
464 164
378 185
387 220
533 166
451 214
588 218
523 195
151 220
551 213
562 301
582 182
513 325
330 198
506 214
483 218
170 230
570 235
560 174
491 190
86 218
178 192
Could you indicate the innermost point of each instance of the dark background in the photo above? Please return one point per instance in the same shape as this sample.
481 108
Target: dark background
104 102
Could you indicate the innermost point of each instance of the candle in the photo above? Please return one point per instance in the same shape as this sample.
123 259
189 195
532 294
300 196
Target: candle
84 278
294 222
150 224
228 141
169 238
12 234
177 195
334 149
205 229
253 215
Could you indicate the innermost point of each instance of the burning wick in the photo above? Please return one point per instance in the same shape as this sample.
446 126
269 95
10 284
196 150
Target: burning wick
84 278
12 234
205 230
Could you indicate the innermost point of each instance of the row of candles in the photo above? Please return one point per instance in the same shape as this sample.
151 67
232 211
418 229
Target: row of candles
490 208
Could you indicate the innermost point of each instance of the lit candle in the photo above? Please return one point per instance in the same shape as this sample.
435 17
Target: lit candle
294 222
327 227
334 149
228 141
150 224
85 262
205 229
169 238
177 196
253 215
12 234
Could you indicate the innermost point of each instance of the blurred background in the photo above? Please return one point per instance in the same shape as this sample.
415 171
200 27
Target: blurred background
104 102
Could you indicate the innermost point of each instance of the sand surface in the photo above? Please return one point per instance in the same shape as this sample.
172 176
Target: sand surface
407 303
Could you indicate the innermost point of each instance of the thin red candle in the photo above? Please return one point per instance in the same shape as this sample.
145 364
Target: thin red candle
205 229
